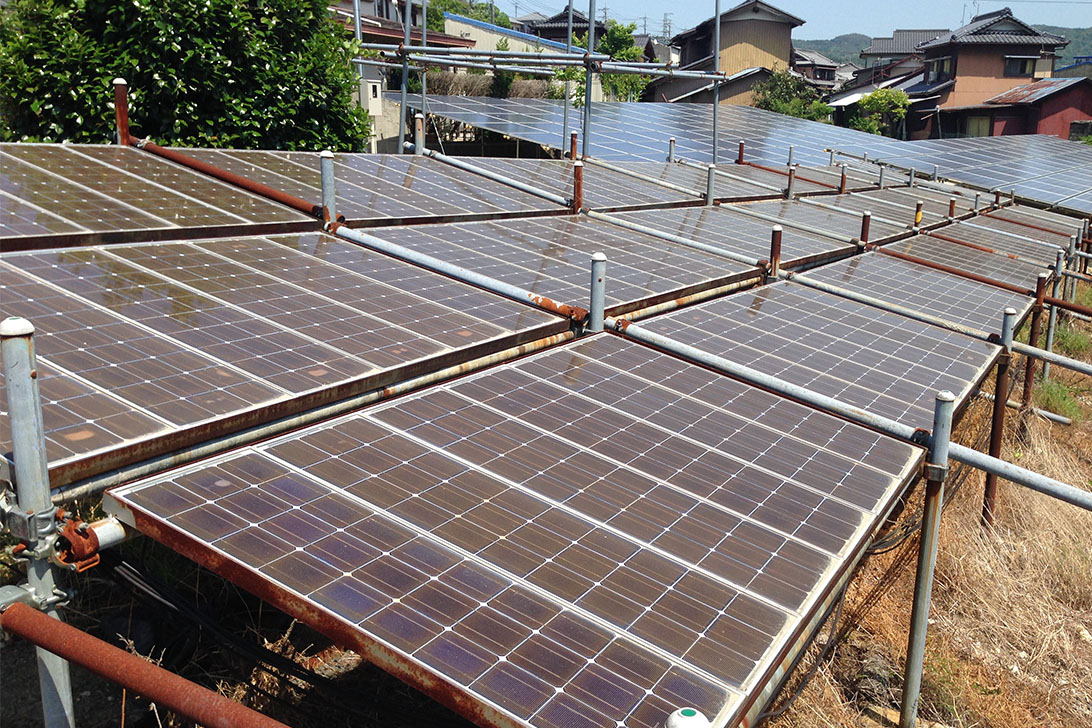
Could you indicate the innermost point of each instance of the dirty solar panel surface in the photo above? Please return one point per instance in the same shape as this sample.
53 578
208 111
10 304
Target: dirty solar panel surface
923 289
732 181
624 130
139 340
1010 228
551 256
886 212
603 188
992 265
1038 220
88 188
593 536
838 222
725 228
986 234
381 188
865 357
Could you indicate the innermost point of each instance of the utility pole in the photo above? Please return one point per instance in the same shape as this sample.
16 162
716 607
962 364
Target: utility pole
492 12
667 26
644 24
605 15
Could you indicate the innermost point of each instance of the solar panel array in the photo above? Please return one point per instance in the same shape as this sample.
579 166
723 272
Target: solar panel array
641 130
987 233
78 189
142 340
590 537
991 265
845 223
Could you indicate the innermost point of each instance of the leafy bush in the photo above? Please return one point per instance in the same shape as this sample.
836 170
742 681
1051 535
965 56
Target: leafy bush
880 111
239 73
788 94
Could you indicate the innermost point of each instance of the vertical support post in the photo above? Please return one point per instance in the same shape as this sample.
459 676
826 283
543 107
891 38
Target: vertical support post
936 172
775 251
33 496
997 198
936 472
951 208
790 189
865 157
710 184
671 149
739 156
831 157
716 82
402 114
977 201
1052 321
418 133
568 91
842 182
424 69
585 146
121 110
578 187
791 154
913 177
1033 338
358 33
918 214
1012 196
883 169
1071 263
329 185
1000 401
866 225
598 292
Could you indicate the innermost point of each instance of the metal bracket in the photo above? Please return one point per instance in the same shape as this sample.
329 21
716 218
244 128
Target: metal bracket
937 473
24 525
23 594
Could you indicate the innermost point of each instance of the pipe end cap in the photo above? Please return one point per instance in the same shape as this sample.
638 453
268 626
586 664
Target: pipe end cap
119 81
945 395
1010 311
777 228
326 154
578 163
598 258
15 326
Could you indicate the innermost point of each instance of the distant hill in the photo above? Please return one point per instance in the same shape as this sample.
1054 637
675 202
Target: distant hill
1080 42
845 48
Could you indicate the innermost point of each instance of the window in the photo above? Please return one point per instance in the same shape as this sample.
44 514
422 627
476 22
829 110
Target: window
1019 65
940 69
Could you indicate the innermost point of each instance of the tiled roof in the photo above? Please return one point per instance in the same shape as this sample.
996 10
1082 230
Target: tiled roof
901 42
814 58
981 31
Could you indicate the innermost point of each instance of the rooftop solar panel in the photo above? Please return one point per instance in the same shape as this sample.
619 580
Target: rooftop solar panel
551 256
934 292
992 265
880 362
593 536
1039 220
988 234
725 228
175 334
382 188
813 217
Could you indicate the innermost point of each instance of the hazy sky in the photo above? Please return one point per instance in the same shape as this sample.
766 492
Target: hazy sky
828 18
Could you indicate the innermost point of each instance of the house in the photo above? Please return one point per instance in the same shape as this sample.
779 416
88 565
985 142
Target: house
1046 106
755 39
814 66
525 23
844 73
556 27
993 53
901 44
1081 66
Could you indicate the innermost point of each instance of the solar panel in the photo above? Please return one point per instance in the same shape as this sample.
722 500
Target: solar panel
888 209
621 130
551 256
923 289
1039 220
992 265
150 339
603 188
1011 228
880 362
592 536
382 188
821 219
986 235
725 228
96 188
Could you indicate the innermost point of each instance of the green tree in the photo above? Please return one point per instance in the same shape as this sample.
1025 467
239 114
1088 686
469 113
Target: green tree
788 94
880 111
475 10
617 42
239 73
502 80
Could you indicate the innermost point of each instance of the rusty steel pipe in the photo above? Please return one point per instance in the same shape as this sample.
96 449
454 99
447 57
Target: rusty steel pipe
578 187
789 189
997 198
121 110
775 251
918 214
1033 338
842 181
134 673
997 424
951 207
739 157
572 145
866 225
308 208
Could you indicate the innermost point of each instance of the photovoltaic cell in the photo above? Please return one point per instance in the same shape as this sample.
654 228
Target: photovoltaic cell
593 536
987 233
552 256
992 265
821 219
725 228
880 362
1038 220
947 296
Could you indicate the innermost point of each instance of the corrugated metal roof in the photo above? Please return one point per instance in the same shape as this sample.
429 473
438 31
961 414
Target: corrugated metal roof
1031 93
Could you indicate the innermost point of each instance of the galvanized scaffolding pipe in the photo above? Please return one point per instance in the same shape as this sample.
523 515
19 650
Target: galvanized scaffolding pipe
1045 414
585 145
32 494
671 149
1052 321
937 472
405 77
912 176
521 186
790 190
418 133
598 293
568 91
716 86
444 50
329 185
711 184
997 425
1013 473
883 170
457 272
628 224
488 66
